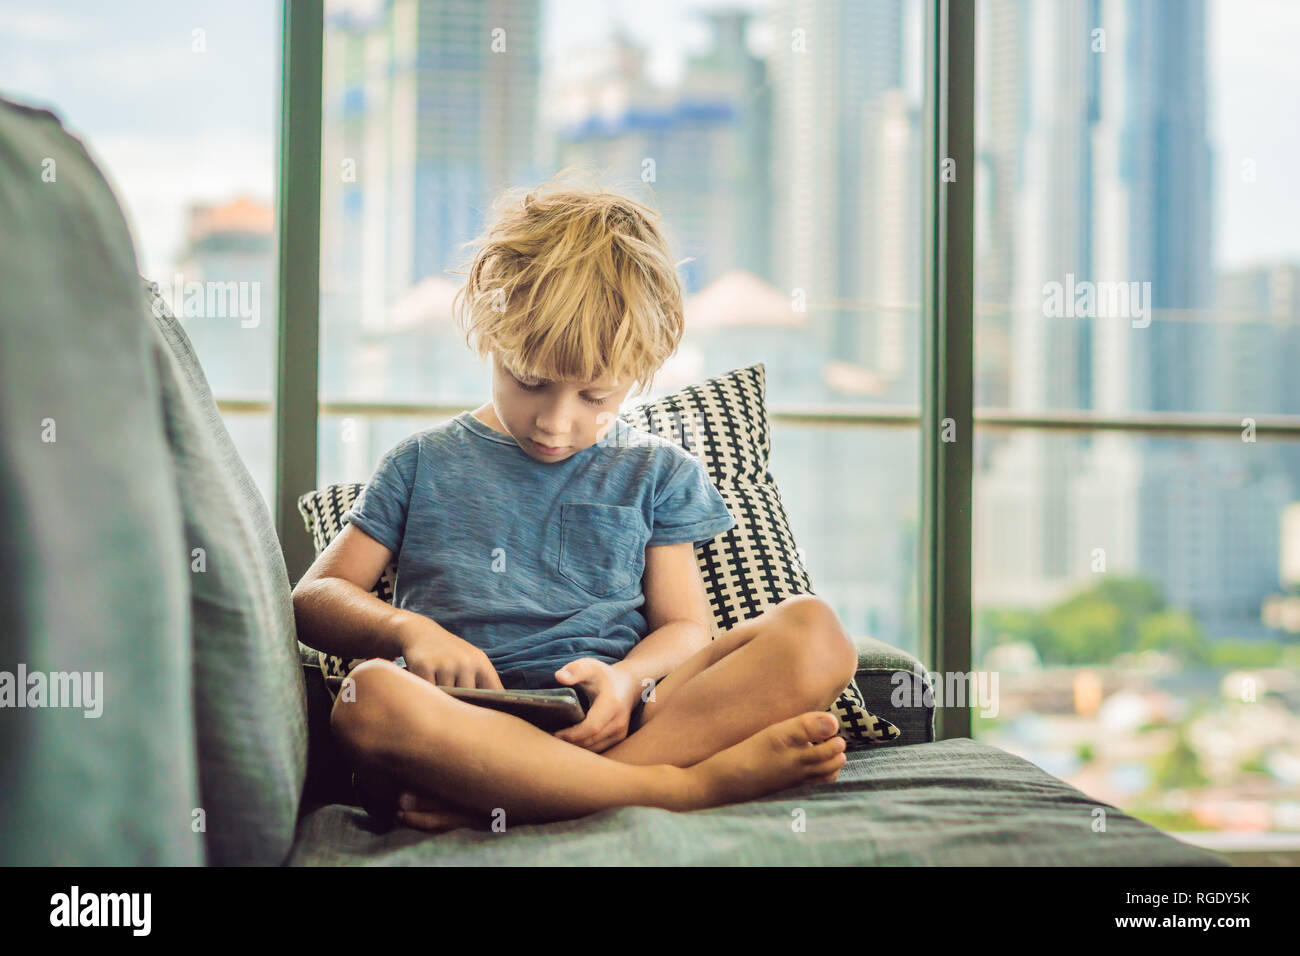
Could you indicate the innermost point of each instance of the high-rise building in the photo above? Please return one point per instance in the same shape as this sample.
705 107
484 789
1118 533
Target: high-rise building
1038 83
223 291
831 68
701 146
1257 340
430 110
1095 166
229 254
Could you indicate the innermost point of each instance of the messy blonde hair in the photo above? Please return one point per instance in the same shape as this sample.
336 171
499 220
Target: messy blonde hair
571 282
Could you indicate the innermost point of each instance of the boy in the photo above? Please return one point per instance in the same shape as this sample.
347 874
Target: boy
543 542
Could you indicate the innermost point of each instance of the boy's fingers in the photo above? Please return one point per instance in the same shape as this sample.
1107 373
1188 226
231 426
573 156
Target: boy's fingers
584 733
594 740
576 733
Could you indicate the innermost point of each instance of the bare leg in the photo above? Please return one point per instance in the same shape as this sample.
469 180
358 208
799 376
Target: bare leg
488 761
793 658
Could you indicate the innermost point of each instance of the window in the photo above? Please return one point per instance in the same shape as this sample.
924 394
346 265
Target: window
178 105
783 154
1137 281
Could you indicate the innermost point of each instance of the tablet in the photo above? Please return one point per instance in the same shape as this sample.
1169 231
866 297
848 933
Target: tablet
550 709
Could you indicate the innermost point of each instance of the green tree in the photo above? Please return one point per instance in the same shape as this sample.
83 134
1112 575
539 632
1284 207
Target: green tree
1173 632
1084 632
1113 616
1179 768
1006 625
1232 654
1135 597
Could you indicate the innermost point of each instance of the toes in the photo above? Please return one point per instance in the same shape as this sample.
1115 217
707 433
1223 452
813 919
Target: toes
409 800
826 777
434 820
810 728
827 770
822 752
825 726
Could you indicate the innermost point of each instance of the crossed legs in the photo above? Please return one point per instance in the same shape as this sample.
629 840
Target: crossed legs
740 718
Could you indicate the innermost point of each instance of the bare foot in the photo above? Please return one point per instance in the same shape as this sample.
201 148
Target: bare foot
803 749
385 800
435 814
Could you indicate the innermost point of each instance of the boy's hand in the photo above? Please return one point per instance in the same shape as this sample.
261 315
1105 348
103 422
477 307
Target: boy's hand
440 657
613 695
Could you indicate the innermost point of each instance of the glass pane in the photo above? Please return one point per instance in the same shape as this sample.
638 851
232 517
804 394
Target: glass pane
351 445
860 547
1136 248
254 436
177 104
1140 615
781 151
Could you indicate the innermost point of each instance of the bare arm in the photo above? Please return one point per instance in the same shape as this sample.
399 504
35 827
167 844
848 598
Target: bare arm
336 612
676 610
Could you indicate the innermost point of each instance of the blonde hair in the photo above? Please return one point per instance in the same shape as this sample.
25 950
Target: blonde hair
572 281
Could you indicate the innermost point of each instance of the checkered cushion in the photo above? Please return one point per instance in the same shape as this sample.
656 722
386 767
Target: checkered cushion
746 570
755 565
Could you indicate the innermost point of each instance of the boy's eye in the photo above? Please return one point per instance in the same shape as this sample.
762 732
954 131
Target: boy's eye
534 386
531 386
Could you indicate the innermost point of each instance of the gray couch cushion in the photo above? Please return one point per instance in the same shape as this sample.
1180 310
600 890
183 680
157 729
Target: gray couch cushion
92 556
881 670
249 697
948 803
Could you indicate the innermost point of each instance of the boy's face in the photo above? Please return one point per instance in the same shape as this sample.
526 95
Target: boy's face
568 416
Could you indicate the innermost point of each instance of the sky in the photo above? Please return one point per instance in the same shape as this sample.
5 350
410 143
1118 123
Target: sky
170 124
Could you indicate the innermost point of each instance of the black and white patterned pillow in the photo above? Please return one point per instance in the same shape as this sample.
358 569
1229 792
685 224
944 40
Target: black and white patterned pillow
747 570
322 511
755 565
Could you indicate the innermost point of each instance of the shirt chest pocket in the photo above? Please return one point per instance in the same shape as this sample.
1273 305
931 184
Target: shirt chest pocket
602 547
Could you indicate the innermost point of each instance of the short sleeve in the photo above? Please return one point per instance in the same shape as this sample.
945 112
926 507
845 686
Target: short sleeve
380 510
689 507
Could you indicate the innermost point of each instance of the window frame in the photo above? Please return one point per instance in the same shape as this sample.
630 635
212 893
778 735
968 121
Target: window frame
947 339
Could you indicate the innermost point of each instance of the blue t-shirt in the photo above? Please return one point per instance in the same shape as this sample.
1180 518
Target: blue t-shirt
535 564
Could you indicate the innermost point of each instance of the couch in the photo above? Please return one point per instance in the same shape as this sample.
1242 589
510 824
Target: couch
133 543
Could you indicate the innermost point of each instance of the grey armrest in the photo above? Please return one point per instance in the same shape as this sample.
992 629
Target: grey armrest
882 692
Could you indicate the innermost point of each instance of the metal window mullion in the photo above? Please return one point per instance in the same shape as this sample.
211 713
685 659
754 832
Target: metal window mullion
947 349
298 288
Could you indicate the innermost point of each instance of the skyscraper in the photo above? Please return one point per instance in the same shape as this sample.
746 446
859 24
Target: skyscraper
1096 166
830 68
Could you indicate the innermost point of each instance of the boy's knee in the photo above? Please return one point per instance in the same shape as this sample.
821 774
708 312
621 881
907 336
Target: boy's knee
823 653
358 709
